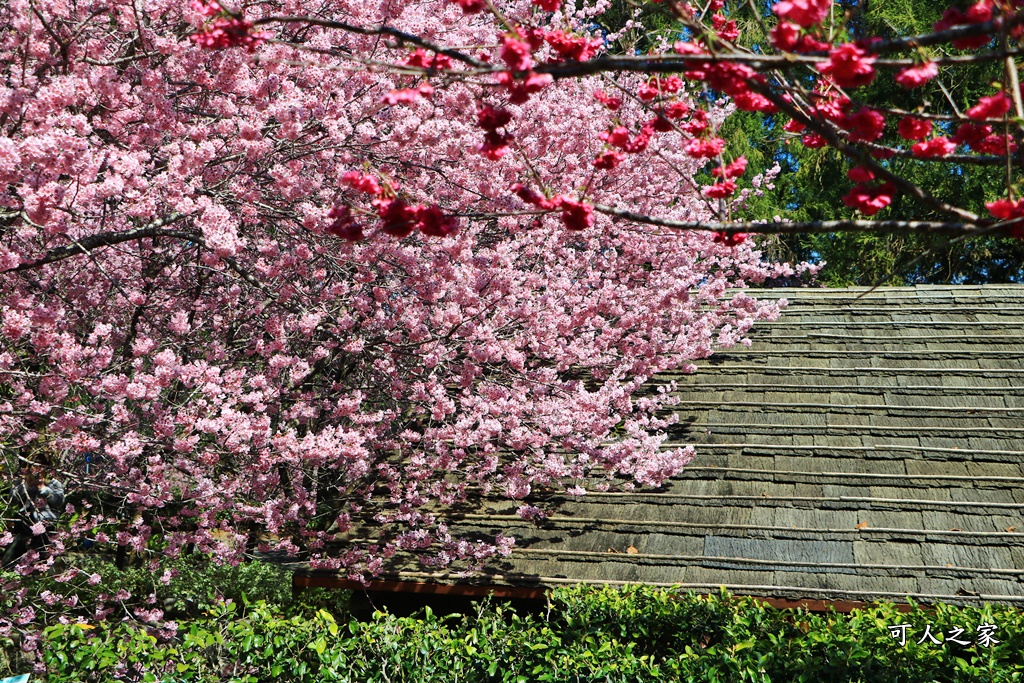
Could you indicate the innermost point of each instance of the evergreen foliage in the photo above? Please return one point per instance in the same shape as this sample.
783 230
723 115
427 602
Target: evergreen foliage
813 181
632 634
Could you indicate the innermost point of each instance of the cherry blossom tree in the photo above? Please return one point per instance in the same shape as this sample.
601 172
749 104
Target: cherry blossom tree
285 269
274 293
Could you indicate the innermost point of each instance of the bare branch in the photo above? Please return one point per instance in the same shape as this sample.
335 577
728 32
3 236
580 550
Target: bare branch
786 227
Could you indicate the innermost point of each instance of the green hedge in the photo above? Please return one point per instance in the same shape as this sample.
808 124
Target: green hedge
586 634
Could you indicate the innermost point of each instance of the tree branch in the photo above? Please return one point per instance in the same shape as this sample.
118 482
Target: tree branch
785 227
401 36
108 239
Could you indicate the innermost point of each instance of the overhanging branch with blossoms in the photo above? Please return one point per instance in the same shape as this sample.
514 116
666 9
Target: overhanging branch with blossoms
532 54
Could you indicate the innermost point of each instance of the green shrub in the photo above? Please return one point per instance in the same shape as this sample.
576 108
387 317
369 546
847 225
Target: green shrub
609 635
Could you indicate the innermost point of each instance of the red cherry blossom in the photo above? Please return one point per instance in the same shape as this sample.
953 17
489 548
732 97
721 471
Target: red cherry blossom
914 128
805 13
616 137
834 108
849 66
752 101
733 170
533 36
609 160
869 199
994 144
810 43
729 239
936 147
971 133
495 145
1006 209
420 58
516 54
224 32
407 95
685 47
531 196
659 86
977 13
698 123
860 174
471 6
520 89
398 218
648 91
866 125
344 224
661 124
613 103
362 182
814 141
433 222
704 148
991 107
619 137
720 190
492 118
916 76
575 215
676 110
574 48
206 8
729 77
725 28
785 36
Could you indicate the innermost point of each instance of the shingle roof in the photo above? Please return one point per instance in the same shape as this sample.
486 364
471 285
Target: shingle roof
868 445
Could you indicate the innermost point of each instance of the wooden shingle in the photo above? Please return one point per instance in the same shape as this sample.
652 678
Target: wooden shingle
861 449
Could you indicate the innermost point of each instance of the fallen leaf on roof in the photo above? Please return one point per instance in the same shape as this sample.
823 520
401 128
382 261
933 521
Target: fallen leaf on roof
613 550
955 529
1010 529
631 550
862 525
